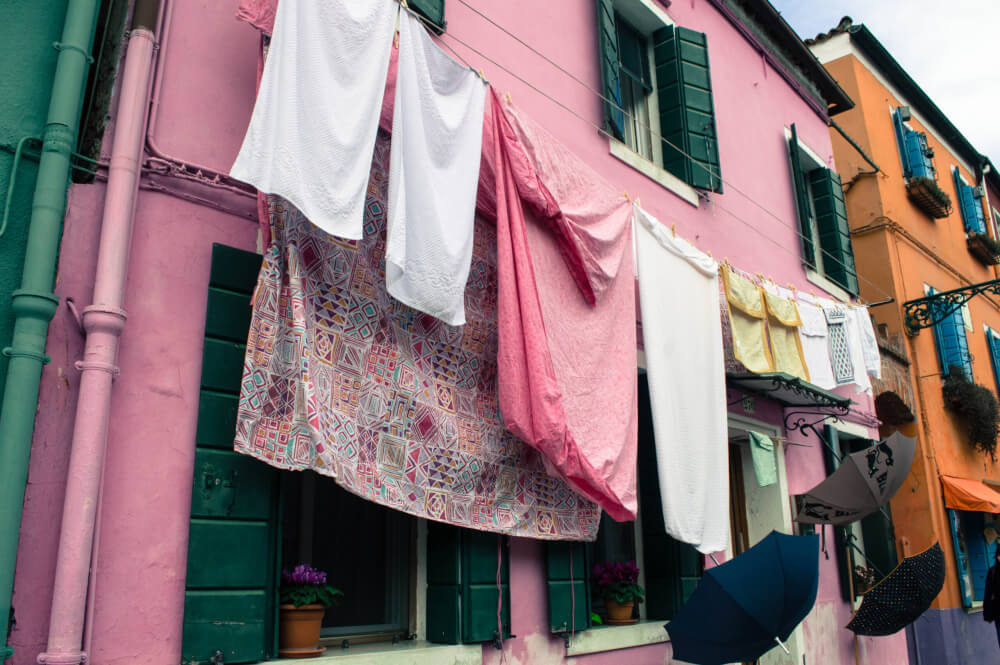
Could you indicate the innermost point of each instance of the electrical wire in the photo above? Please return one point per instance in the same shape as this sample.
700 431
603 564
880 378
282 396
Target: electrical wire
451 37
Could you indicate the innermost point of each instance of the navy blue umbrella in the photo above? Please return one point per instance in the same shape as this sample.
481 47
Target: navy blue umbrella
750 604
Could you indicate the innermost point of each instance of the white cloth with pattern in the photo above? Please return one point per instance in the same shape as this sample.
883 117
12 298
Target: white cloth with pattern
437 131
312 133
815 339
685 366
869 343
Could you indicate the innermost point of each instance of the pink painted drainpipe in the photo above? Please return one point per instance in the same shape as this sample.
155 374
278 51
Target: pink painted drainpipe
103 322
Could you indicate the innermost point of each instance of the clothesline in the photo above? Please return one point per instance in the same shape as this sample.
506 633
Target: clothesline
828 256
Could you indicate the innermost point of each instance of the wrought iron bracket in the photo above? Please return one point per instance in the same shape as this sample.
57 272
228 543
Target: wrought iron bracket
798 420
930 310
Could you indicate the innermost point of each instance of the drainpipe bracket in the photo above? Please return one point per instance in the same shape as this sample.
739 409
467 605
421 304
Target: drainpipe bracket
11 352
63 46
110 368
62 658
105 319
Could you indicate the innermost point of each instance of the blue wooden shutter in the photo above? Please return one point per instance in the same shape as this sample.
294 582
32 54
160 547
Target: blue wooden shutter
802 205
229 599
687 112
834 231
901 130
952 344
918 155
671 569
994 343
972 212
433 10
567 571
980 554
961 557
607 40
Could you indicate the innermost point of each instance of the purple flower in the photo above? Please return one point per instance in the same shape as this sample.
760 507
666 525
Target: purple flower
303 575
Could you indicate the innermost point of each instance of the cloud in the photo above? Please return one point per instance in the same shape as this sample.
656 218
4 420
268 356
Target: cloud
950 52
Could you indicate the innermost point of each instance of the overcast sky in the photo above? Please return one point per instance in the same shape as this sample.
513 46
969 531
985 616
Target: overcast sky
951 50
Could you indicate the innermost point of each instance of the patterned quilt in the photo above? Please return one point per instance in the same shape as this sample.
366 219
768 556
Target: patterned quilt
398 407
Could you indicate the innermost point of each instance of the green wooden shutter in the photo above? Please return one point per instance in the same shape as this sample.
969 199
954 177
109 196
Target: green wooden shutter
834 232
880 541
607 41
433 10
802 205
462 584
832 452
444 583
671 569
687 113
567 571
229 602
480 551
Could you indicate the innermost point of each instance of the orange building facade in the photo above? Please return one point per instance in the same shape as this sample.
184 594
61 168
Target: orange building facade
909 241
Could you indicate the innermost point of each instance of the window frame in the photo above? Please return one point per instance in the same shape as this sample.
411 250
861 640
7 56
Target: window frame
816 272
645 18
401 549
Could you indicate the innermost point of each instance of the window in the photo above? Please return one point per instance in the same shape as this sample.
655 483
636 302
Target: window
825 233
914 152
248 520
636 86
432 10
669 570
642 55
952 344
974 554
366 549
973 217
866 549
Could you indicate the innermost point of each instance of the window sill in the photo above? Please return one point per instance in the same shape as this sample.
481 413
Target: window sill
653 172
609 638
977 607
405 653
827 285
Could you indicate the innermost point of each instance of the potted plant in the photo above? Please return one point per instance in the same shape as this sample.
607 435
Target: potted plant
984 248
616 582
976 406
864 579
303 596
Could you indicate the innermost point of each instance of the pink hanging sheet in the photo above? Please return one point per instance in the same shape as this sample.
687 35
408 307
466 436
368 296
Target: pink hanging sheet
567 369
400 408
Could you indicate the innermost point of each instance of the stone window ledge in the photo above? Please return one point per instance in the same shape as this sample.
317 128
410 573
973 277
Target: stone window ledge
609 638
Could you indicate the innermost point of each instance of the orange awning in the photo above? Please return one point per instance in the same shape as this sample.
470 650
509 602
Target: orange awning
969 494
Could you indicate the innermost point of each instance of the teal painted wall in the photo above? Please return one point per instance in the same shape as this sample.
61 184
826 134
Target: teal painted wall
27 30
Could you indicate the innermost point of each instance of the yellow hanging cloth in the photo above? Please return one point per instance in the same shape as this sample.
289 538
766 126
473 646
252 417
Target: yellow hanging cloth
747 318
786 348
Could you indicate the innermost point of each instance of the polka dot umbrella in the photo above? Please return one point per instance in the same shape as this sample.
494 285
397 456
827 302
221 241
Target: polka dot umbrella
902 595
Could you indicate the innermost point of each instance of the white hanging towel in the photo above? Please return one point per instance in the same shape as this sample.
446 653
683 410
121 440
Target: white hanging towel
682 337
312 133
437 132
815 342
869 343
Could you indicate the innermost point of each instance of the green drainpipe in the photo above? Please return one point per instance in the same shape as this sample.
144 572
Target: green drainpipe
34 303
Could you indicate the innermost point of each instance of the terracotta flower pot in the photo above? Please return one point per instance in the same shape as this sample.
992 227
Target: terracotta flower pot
619 613
298 630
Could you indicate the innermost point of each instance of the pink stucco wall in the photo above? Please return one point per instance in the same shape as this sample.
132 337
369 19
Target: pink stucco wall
207 97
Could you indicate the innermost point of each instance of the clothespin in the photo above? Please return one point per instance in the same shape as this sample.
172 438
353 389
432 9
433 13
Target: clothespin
673 229
627 197
507 97
395 40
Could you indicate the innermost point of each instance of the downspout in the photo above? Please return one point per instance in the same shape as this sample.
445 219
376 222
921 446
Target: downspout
34 303
103 322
